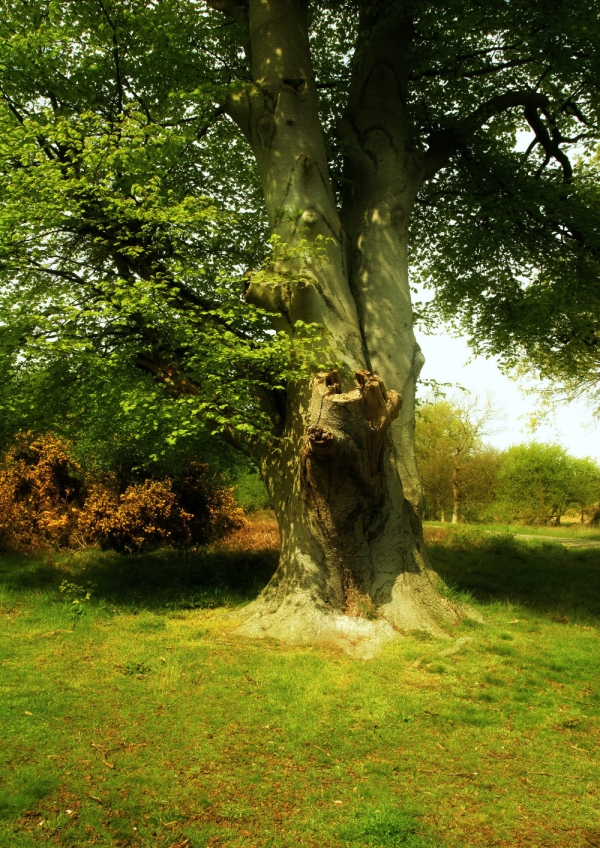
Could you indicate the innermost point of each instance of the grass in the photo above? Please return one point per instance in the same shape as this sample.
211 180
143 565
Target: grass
574 530
151 724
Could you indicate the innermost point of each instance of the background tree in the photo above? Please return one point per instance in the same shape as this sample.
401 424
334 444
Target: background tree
585 492
479 482
149 149
451 456
434 456
537 483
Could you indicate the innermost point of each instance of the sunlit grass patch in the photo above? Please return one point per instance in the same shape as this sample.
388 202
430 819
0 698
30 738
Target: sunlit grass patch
153 723
438 530
500 567
385 828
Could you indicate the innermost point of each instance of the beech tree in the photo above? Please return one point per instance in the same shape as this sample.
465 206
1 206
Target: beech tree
152 150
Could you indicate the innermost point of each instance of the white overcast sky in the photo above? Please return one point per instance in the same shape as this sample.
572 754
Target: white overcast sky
573 427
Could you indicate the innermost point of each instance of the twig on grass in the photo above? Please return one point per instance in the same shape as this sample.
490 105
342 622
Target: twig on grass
54 633
105 753
96 798
41 718
462 773
562 776
449 773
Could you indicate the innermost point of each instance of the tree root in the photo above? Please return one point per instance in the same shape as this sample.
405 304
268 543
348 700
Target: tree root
302 622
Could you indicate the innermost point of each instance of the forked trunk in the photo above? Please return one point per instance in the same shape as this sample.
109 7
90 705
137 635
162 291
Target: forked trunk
342 474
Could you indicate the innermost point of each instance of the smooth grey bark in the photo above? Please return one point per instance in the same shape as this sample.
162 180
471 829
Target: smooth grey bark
342 476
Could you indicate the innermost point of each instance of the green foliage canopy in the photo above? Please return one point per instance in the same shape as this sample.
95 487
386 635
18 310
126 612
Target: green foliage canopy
537 483
123 239
508 240
130 209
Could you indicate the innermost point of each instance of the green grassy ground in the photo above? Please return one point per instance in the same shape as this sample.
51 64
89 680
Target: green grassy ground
151 724
565 531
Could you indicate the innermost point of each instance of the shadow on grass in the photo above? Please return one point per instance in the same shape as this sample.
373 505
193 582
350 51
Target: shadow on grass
548 578
544 577
164 578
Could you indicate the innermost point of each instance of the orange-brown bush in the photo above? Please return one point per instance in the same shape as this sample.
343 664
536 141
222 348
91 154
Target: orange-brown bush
44 503
39 493
146 515
212 506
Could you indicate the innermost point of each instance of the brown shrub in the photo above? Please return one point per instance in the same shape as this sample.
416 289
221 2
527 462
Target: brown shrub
43 503
359 604
40 492
214 512
146 515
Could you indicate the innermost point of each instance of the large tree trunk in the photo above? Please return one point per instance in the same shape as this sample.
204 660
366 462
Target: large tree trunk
342 475
352 568
383 172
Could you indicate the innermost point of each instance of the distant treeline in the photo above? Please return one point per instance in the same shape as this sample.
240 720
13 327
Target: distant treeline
466 479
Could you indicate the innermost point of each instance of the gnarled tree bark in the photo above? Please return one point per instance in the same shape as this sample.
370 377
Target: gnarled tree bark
353 569
342 476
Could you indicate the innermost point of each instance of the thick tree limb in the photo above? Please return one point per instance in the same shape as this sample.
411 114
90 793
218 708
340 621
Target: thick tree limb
236 9
444 143
550 141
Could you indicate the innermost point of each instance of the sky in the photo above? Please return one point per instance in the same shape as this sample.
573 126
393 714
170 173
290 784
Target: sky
449 359
446 360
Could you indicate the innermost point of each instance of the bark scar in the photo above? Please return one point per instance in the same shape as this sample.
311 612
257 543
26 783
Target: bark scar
320 442
342 470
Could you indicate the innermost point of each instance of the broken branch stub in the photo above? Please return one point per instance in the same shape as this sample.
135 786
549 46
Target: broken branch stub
362 415
381 408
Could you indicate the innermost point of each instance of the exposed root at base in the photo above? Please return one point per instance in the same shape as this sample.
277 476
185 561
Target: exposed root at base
307 624
300 620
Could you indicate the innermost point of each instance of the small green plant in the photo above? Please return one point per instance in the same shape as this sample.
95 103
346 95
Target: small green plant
421 635
453 592
384 828
199 600
137 669
77 597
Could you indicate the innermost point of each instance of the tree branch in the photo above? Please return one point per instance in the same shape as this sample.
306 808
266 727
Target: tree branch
235 9
550 141
444 143
487 69
239 12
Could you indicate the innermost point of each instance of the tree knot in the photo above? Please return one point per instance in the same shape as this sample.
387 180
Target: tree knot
319 441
